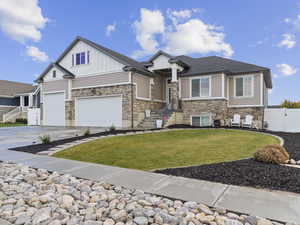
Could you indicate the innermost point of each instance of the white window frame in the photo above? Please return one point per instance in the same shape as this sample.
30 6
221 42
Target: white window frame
252 86
200 115
199 78
87 62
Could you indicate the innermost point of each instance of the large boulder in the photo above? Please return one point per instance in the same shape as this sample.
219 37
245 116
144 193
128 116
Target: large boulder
272 154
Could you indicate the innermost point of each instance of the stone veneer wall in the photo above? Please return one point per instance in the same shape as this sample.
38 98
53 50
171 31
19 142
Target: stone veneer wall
256 112
124 90
218 109
70 113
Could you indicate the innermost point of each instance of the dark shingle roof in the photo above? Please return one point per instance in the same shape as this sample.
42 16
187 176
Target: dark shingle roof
11 88
66 72
115 55
192 66
215 64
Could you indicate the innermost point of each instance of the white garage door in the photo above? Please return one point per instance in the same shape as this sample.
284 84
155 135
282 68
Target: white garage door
54 109
99 112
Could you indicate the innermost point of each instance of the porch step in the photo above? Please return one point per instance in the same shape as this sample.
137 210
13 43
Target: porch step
150 122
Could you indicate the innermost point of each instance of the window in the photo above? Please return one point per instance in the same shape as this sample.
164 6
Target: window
244 86
54 74
201 121
81 58
201 87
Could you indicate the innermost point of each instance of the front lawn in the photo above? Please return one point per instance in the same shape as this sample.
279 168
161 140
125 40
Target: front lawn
170 149
12 124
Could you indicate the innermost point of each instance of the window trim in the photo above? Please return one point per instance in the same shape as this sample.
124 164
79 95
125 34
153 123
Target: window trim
191 90
87 57
199 115
252 86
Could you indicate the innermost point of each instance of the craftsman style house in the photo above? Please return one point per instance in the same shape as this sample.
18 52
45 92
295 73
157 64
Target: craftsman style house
90 85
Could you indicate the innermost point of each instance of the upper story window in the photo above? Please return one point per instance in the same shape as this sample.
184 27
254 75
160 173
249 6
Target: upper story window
201 87
81 58
243 86
54 74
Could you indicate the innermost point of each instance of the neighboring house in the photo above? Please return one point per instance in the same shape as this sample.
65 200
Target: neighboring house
90 85
15 98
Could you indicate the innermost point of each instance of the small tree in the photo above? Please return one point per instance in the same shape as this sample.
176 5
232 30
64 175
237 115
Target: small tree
290 105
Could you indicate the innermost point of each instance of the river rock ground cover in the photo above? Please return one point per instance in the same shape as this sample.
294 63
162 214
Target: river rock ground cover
37 197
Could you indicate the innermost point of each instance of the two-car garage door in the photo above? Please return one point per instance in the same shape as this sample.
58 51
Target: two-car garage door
99 111
89 112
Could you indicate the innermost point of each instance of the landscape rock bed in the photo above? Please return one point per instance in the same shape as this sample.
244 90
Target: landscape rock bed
249 172
37 197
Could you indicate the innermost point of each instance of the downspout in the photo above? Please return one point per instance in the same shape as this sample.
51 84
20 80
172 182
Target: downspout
131 84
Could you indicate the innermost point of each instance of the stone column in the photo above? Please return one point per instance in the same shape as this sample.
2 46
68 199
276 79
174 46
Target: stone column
174 96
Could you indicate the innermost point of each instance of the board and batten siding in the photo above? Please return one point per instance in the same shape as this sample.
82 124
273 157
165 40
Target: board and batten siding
101 80
56 86
99 62
142 85
216 86
49 76
255 100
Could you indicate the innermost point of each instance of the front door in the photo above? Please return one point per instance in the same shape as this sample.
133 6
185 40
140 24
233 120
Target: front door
169 93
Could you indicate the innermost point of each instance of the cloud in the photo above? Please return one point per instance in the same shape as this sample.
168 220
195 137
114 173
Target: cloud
195 36
287 20
274 75
150 24
22 20
286 70
110 28
289 41
184 37
36 54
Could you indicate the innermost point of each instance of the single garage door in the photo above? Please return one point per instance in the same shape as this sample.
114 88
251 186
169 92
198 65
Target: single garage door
99 111
54 109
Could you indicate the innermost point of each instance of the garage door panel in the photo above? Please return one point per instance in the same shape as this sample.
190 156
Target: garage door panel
54 109
99 112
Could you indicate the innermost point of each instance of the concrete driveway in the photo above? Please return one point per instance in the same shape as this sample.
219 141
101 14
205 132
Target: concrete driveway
20 136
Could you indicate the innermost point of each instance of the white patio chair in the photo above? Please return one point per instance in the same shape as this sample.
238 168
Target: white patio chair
248 121
236 121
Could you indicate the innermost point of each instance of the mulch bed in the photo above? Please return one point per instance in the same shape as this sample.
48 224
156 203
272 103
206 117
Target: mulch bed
249 172
36 148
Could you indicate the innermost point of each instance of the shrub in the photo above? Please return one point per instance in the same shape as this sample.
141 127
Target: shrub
112 128
87 132
21 120
272 154
45 139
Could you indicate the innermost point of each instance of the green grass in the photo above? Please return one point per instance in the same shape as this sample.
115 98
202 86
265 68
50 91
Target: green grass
170 149
12 124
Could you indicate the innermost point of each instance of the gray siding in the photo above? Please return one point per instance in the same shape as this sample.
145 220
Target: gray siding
216 86
54 86
255 100
99 80
9 101
142 85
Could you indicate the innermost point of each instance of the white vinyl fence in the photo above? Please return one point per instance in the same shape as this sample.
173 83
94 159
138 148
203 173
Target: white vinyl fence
33 117
282 119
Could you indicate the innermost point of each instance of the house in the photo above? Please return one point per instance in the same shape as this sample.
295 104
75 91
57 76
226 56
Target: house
15 98
90 85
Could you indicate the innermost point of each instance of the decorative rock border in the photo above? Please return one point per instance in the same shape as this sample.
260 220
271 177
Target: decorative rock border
36 196
72 144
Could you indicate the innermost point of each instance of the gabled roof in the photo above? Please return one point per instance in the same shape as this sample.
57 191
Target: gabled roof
215 64
159 53
126 61
12 88
67 73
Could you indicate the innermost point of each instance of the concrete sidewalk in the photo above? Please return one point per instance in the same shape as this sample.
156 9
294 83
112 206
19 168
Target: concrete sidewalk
275 205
